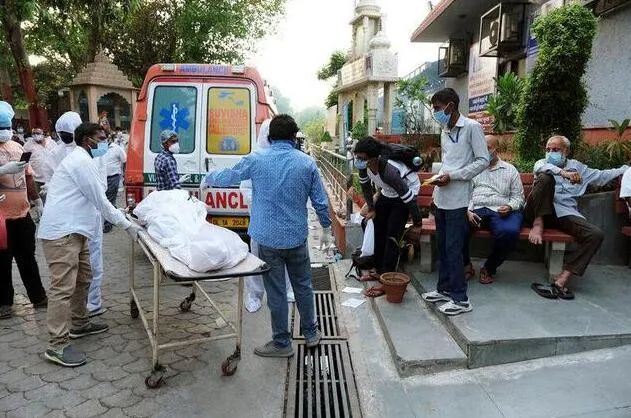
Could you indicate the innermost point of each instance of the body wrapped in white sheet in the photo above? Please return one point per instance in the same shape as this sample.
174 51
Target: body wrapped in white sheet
178 223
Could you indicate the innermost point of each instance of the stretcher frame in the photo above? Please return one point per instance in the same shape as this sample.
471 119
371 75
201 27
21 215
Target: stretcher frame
158 256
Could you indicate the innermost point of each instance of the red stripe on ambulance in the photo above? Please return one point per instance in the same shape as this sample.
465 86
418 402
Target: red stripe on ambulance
225 200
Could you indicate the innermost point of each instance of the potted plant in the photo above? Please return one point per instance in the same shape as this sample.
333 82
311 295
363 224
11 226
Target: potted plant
395 283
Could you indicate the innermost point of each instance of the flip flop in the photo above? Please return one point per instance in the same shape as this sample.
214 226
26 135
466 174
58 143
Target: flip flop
485 276
562 292
370 277
544 290
374 292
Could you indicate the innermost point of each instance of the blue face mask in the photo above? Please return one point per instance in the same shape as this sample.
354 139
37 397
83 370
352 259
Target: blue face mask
100 150
441 117
361 164
555 158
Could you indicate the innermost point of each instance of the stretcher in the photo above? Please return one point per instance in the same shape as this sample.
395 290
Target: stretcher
168 271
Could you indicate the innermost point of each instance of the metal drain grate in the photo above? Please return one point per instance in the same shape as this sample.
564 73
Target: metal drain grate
321 278
326 312
321 383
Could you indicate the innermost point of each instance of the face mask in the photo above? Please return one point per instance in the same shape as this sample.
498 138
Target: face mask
5 135
441 117
99 151
361 164
555 158
174 148
38 137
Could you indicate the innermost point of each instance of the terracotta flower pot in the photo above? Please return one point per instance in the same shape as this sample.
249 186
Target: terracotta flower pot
394 284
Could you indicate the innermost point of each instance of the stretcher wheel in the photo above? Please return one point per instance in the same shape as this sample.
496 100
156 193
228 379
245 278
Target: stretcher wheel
133 310
185 305
154 380
229 367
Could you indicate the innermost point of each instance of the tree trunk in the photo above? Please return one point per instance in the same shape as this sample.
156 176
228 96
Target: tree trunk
37 114
6 91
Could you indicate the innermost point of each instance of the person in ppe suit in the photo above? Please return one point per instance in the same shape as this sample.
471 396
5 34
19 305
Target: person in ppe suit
254 289
65 127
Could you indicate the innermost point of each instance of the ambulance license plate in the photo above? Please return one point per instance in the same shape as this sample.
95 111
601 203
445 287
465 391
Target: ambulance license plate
236 222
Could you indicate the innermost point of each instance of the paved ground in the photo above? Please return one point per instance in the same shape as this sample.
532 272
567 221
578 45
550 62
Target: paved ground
111 384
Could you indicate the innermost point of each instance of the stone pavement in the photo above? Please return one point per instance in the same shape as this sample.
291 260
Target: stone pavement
112 383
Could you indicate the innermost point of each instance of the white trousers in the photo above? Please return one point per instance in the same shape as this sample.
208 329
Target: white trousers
96 263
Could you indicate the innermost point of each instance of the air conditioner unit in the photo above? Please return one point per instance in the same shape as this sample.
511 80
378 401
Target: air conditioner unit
604 7
452 58
502 30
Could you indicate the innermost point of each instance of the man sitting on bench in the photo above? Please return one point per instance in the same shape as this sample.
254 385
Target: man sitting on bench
496 203
552 203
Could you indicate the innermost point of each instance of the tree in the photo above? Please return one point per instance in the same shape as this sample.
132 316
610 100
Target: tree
412 97
308 114
13 14
314 129
330 70
555 97
504 103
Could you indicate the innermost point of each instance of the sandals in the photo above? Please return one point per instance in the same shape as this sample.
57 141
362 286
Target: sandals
552 291
374 292
485 276
469 271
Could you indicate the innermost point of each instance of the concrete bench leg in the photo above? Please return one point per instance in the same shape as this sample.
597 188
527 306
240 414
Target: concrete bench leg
426 253
555 262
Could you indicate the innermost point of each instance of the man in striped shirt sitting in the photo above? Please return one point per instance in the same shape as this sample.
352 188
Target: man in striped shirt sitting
496 203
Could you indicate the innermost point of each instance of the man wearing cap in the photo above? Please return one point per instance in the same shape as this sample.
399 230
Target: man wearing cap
166 165
41 148
18 187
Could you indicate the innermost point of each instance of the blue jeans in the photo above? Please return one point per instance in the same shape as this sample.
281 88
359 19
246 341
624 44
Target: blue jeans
505 233
299 269
452 232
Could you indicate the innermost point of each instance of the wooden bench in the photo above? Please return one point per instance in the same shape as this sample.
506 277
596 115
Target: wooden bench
554 240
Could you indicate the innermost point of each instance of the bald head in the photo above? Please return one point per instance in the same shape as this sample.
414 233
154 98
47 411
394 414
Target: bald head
492 144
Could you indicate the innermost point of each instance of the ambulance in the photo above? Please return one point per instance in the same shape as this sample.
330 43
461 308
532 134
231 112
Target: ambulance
216 111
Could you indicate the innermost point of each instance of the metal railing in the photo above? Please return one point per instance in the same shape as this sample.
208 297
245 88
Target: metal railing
336 171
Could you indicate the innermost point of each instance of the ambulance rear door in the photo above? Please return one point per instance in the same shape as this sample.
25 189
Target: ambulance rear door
230 132
176 106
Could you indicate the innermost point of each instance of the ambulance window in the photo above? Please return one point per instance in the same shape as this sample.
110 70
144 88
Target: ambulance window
229 121
174 108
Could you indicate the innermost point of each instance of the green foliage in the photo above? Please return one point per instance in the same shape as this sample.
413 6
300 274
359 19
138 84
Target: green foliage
331 99
326 137
314 129
619 127
336 62
413 99
503 104
603 156
359 131
554 95
309 114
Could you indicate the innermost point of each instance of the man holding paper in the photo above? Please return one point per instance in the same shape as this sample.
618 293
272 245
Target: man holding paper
464 156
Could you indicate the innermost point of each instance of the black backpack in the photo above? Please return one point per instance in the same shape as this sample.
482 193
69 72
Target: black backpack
359 263
404 153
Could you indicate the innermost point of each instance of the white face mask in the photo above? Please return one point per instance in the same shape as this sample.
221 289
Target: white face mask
38 137
5 135
175 148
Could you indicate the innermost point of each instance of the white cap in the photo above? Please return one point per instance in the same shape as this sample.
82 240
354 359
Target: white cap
263 141
68 122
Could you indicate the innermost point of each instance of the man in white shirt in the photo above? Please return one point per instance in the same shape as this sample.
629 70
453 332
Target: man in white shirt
464 156
76 198
41 149
114 161
496 203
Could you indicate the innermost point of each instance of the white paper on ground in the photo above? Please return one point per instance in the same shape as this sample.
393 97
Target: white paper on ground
353 302
352 290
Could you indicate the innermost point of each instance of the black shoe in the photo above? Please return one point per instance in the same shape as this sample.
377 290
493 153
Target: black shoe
67 357
90 329
42 303
6 311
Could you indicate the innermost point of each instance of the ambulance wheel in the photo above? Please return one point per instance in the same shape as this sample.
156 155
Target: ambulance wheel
133 310
229 367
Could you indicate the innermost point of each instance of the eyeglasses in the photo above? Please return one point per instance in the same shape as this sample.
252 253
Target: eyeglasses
553 149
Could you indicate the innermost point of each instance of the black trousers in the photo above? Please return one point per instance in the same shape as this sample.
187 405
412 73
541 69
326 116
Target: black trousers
390 220
112 191
21 238
588 237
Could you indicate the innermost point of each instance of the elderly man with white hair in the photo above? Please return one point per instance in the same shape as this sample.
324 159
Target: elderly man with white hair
552 204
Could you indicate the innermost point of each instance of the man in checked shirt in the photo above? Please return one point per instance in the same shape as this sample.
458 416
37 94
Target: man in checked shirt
496 203
166 165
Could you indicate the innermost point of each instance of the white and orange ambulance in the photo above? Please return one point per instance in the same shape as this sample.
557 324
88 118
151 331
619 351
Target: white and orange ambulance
216 111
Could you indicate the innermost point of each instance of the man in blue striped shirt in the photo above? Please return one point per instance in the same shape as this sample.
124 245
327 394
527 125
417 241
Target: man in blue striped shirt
283 179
